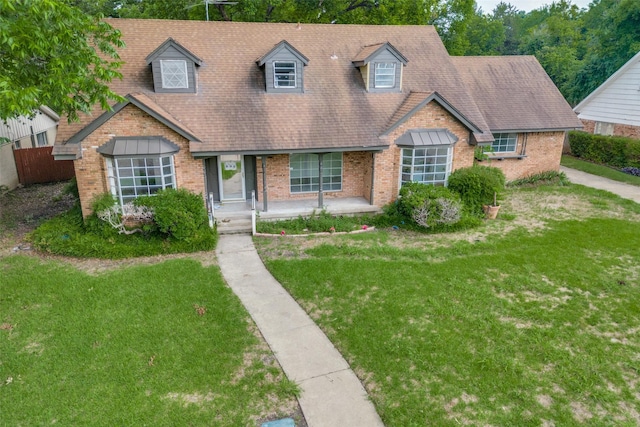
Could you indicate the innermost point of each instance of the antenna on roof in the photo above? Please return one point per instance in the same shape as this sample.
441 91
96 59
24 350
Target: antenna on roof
214 2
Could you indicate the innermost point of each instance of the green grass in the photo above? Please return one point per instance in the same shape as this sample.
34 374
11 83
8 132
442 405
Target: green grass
129 348
65 235
322 222
600 170
524 327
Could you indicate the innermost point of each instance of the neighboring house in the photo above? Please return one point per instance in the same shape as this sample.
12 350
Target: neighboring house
299 112
614 107
24 132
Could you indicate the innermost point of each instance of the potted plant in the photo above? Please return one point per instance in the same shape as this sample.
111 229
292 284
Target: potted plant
491 211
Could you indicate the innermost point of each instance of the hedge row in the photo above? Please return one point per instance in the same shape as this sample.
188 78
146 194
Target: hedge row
614 151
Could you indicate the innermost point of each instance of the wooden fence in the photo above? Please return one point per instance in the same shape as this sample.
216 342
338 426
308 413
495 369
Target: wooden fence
36 166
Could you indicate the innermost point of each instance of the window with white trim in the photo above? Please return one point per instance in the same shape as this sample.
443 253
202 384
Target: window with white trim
304 174
284 74
41 139
504 142
385 75
603 128
174 74
140 176
429 165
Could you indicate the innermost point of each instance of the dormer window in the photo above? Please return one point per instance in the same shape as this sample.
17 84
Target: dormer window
385 75
174 74
174 68
284 74
381 67
283 69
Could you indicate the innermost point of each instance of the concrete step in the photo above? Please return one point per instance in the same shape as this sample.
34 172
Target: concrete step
234 225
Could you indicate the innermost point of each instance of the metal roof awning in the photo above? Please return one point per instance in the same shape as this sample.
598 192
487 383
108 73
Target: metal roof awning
138 146
426 138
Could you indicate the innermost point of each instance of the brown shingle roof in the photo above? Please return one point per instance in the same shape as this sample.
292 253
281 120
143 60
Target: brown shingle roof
515 93
232 111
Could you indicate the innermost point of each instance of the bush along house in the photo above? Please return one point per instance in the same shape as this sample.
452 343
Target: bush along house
307 113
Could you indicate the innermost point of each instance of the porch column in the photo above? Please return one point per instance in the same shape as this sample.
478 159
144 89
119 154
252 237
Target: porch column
320 194
264 182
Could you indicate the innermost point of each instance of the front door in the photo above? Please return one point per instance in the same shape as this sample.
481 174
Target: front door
231 177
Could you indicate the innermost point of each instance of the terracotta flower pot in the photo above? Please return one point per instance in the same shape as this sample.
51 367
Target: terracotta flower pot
490 211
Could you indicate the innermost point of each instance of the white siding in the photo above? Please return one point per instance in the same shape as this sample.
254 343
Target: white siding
15 129
618 100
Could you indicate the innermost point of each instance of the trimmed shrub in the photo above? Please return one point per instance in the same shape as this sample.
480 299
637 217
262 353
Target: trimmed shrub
428 205
179 214
477 185
615 151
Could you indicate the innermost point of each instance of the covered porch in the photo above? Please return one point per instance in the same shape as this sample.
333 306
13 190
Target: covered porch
236 217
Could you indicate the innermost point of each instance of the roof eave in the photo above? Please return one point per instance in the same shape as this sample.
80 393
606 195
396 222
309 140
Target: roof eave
258 152
607 82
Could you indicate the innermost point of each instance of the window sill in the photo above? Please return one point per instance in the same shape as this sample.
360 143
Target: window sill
505 156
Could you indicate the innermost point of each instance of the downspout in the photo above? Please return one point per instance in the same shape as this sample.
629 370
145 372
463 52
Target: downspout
373 177
524 144
320 193
264 182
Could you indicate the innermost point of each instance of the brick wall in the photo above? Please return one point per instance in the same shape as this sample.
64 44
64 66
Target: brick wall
432 116
356 178
543 151
618 129
91 169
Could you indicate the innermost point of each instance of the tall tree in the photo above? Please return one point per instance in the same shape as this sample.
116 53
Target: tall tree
613 37
54 54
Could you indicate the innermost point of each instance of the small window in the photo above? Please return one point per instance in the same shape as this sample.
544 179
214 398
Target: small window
174 74
304 173
385 76
603 128
430 165
284 74
504 142
41 139
17 145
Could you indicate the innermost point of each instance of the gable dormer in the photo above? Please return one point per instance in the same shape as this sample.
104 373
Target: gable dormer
174 68
283 69
381 67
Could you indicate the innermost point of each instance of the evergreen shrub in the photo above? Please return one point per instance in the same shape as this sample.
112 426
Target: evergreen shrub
477 185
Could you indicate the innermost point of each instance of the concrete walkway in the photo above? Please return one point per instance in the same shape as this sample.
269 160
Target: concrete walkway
332 395
626 191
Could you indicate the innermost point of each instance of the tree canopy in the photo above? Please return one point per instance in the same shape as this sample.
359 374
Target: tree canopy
51 53
579 48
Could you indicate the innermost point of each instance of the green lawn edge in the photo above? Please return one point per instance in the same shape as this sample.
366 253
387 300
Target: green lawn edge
600 170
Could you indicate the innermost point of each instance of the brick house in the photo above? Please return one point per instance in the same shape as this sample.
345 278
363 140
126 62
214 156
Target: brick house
308 112
614 107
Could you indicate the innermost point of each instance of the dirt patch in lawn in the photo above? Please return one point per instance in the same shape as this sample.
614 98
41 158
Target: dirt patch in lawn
25 208
528 210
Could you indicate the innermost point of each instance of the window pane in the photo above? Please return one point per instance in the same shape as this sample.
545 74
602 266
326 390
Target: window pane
284 74
429 166
385 75
174 74
504 142
139 176
304 173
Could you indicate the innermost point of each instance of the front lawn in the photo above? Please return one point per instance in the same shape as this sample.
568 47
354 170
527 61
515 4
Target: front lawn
165 344
531 320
